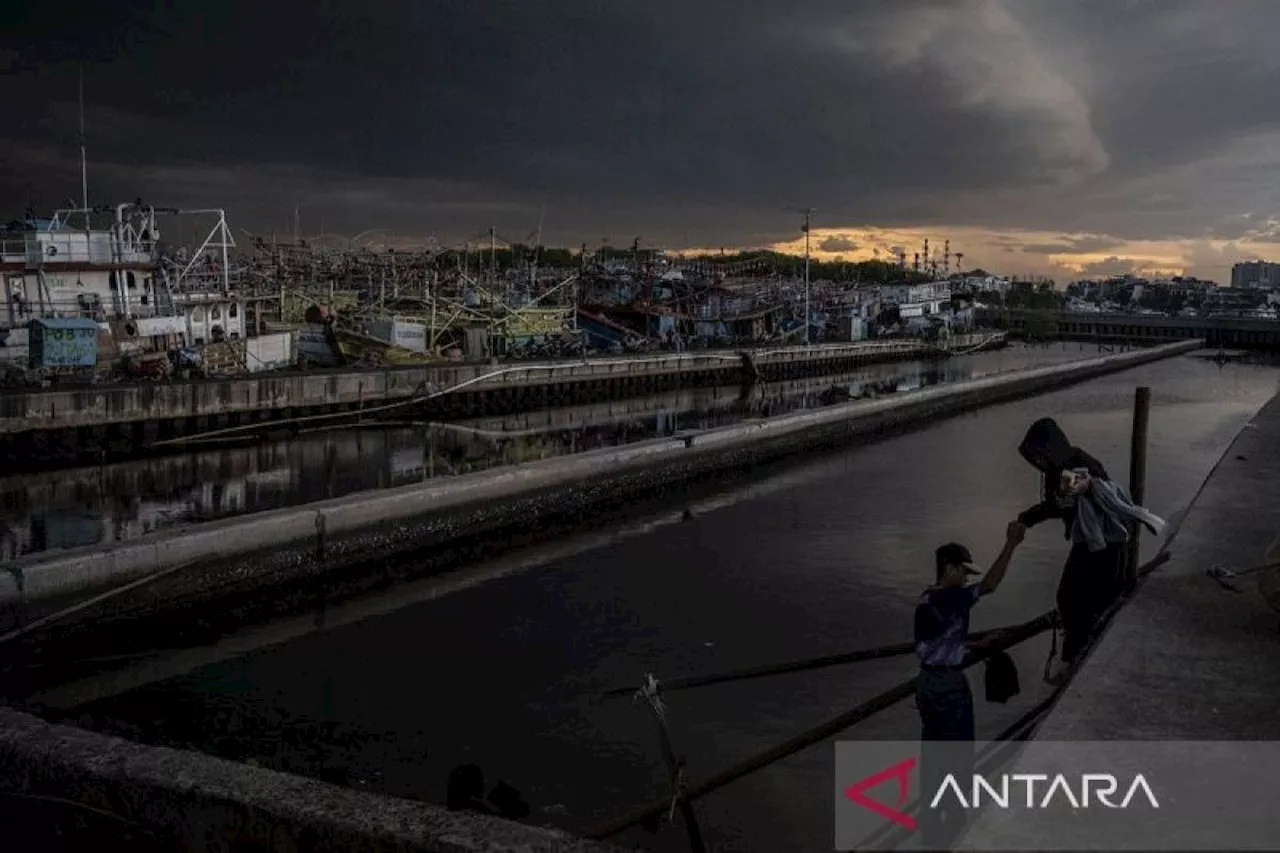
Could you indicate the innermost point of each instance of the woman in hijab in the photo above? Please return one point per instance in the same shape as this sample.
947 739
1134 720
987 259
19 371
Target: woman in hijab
1094 512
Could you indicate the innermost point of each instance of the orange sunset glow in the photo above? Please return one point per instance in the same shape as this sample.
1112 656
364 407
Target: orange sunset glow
1064 257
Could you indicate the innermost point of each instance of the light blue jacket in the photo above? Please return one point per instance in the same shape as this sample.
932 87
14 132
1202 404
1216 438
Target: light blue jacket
1103 513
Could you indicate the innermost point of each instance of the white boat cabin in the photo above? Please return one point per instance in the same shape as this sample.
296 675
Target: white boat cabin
110 265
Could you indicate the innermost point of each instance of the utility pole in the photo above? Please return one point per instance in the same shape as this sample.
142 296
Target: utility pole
84 166
808 216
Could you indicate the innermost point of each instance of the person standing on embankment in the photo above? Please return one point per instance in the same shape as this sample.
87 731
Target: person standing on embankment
1094 510
942 636
943 696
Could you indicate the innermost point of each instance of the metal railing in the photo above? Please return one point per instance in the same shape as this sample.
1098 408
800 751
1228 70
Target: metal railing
13 317
53 247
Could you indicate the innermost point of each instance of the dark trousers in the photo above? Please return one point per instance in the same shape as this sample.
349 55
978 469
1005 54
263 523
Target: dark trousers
1091 582
945 703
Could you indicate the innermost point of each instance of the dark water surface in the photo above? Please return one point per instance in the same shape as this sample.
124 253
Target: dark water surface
508 673
101 504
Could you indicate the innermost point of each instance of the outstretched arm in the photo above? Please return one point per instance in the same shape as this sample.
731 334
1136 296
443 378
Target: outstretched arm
1043 511
1013 536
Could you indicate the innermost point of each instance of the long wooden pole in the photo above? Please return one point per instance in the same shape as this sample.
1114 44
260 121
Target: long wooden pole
650 692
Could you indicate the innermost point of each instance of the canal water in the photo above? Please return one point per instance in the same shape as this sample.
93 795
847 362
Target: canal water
509 673
101 504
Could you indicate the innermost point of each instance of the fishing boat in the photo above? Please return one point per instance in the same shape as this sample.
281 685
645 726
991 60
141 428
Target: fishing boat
114 267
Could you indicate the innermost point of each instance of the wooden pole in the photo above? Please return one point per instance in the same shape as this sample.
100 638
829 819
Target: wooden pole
1137 475
650 692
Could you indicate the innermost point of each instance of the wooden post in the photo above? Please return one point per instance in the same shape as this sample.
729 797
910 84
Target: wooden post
1137 475
321 536
650 692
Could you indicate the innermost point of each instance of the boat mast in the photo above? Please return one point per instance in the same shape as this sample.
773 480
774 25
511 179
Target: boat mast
84 168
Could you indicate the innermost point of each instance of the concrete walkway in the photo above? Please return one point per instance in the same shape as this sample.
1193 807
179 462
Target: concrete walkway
1185 659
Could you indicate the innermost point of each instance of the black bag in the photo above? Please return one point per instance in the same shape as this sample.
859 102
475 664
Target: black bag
509 802
1001 678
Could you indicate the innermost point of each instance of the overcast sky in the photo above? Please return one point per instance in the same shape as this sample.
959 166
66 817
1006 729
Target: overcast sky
1037 135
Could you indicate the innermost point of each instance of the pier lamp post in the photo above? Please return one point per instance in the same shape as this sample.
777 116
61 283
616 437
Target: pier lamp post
808 215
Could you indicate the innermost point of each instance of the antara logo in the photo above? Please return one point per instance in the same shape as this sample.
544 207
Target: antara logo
1091 788
1103 786
900 771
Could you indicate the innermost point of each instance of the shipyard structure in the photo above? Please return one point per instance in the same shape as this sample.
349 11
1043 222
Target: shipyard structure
137 292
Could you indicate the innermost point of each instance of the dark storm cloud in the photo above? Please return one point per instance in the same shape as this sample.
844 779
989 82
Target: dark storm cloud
697 123
839 243
1073 246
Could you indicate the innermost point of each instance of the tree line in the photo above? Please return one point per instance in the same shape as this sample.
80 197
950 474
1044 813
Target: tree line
519 256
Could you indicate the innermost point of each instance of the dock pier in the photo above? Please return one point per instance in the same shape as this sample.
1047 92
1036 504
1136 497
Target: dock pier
1144 329
113 420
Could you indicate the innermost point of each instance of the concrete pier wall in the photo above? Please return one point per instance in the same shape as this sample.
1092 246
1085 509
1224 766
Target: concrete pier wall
211 399
94 424
299 541
196 802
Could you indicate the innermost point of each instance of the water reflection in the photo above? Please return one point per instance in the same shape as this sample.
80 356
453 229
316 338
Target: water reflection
92 505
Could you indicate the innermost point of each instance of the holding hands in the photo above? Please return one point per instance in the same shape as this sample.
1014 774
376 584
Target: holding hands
1015 533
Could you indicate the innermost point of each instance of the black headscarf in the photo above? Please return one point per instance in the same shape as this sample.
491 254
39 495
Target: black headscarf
1047 448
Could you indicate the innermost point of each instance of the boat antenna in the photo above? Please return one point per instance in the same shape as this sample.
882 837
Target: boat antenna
84 168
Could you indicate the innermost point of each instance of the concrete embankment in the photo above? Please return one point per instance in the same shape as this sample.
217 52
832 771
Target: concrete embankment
510 503
87 424
1185 658
220 401
190 801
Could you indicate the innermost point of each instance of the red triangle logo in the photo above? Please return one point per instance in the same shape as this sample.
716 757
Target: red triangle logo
900 771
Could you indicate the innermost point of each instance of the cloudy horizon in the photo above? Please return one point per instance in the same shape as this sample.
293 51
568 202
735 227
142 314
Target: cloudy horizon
1038 137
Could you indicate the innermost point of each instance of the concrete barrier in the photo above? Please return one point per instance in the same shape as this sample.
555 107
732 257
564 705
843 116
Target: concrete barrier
196 802
51 574
52 409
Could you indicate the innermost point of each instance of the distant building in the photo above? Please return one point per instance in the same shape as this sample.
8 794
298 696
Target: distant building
1187 287
1103 289
918 300
1231 300
1256 275
981 284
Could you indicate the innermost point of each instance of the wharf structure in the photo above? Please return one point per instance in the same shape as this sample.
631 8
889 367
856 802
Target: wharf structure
66 424
1219 332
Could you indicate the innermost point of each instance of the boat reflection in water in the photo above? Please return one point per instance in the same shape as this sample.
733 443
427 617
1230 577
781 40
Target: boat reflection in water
96 505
